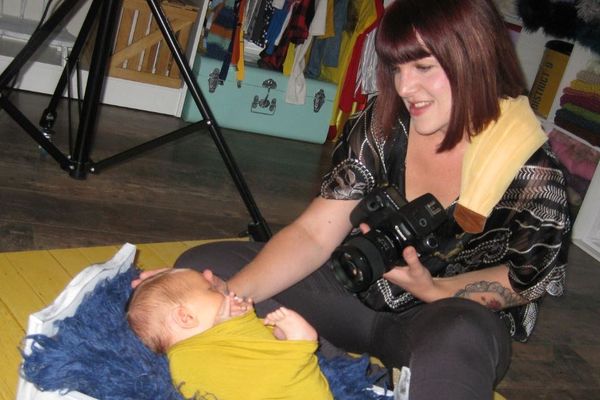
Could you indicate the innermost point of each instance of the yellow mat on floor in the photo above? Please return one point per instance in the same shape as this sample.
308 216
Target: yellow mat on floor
30 280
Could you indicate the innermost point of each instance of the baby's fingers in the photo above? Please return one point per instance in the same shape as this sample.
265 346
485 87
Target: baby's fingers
238 305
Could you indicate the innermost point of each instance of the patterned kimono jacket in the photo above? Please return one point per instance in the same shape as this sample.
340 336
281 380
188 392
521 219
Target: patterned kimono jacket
526 231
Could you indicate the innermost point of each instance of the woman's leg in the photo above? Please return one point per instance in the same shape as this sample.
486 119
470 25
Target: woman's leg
453 346
456 347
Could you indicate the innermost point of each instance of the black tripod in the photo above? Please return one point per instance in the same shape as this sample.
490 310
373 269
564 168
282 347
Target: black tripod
78 162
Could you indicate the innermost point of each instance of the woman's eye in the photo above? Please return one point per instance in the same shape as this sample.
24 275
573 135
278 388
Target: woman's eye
424 68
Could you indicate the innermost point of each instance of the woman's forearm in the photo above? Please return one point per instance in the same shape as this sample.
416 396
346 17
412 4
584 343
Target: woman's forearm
296 251
489 287
282 262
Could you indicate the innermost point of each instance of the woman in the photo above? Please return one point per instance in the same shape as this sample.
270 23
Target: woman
449 120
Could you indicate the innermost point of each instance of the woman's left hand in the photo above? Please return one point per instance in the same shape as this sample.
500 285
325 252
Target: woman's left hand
414 277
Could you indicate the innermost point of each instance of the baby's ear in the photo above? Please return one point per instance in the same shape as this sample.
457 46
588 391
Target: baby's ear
184 317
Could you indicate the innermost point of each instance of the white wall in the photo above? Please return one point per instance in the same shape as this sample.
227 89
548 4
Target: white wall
40 76
33 9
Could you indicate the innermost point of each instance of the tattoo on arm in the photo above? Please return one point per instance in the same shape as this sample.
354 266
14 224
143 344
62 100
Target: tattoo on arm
491 294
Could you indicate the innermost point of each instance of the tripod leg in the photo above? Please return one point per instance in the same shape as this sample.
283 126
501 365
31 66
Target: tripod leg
259 230
48 117
109 13
35 133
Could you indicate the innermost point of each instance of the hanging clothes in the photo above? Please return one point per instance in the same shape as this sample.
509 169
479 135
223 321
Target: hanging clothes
347 100
280 17
296 32
238 47
260 22
220 23
232 43
326 50
366 81
296 89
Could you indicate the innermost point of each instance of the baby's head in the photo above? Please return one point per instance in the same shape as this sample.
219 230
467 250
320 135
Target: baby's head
173 305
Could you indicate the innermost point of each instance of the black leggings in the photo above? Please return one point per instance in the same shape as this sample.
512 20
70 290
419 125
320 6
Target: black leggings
454 348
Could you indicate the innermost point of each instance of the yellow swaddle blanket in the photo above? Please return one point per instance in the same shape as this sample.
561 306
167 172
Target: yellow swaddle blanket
493 159
241 359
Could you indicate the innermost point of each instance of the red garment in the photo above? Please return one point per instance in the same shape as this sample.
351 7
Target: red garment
589 101
296 32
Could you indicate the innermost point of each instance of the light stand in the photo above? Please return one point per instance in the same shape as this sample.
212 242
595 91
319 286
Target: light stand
78 162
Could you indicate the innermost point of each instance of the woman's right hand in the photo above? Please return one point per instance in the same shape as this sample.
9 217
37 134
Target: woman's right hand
145 275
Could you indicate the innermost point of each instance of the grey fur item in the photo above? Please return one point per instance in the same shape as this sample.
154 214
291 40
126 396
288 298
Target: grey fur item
588 10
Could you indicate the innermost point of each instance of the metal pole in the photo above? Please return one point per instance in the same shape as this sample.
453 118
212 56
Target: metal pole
260 230
109 14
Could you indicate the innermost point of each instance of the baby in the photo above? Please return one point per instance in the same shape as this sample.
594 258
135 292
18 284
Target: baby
216 345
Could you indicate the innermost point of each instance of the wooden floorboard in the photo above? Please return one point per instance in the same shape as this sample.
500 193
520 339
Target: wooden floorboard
182 192
10 358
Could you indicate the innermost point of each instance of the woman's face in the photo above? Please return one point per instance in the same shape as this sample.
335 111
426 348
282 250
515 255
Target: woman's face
425 90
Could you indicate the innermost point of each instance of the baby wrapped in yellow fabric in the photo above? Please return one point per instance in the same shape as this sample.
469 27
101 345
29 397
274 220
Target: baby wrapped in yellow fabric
216 345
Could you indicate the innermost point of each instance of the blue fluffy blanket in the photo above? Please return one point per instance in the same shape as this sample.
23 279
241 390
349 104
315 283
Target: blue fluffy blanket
96 353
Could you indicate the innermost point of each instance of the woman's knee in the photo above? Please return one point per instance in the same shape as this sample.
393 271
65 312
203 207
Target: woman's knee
463 330
224 258
458 322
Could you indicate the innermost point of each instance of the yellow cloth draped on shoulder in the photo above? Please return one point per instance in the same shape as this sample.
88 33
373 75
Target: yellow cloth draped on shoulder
493 159
241 359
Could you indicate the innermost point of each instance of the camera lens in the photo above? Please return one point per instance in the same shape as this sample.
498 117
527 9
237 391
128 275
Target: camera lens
357 264
351 269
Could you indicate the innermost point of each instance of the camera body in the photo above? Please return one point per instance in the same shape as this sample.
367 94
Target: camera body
395 224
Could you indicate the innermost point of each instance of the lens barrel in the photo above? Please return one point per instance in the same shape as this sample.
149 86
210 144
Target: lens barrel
357 264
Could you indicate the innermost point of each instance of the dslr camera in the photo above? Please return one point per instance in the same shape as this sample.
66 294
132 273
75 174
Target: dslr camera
395 224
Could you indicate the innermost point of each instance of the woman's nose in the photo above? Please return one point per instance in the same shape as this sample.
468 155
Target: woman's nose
405 84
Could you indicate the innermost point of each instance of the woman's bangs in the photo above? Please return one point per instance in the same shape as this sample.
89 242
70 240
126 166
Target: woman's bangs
399 44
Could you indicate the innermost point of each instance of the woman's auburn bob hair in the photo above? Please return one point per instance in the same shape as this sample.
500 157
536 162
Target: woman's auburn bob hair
472 44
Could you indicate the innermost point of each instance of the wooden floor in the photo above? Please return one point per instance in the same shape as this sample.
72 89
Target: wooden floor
183 192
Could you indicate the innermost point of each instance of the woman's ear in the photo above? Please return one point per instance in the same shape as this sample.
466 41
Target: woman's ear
184 317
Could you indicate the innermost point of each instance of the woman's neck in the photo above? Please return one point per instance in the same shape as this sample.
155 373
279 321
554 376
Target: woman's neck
429 171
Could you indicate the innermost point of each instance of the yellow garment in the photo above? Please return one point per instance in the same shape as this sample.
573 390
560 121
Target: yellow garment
241 359
492 160
329 26
240 67
580 85
288 63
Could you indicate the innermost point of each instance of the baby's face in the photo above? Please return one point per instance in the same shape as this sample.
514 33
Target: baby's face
208 296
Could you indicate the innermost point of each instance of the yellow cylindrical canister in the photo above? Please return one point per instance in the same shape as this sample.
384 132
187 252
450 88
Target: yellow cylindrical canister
550 72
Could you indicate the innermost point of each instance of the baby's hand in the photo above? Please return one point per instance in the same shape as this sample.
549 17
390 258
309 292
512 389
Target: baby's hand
240 306
233 306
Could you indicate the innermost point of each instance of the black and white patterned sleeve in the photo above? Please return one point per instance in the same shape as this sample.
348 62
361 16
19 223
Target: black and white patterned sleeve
537 216
356 160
